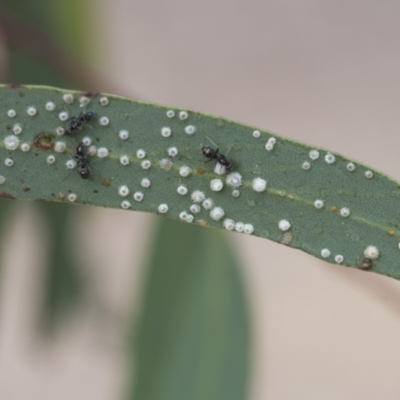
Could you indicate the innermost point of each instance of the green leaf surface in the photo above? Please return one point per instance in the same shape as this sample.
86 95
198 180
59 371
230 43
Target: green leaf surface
290 195
192 333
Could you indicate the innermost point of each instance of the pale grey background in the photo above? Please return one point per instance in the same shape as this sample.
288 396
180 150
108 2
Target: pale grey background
322 72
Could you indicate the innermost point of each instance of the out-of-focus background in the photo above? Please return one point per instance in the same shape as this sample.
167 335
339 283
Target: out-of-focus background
319 72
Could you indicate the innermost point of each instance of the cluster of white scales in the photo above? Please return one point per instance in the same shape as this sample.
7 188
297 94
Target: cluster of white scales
232 179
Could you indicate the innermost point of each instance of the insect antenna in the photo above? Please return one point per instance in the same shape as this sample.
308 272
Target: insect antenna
71 169
229 149
211 141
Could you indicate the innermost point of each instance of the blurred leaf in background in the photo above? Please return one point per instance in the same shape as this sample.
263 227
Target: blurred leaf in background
193 331
27 27
64 288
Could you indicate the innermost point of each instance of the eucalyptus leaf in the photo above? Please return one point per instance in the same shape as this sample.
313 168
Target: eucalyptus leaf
149 158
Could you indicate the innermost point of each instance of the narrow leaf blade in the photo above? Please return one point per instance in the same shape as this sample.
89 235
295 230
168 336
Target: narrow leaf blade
328 206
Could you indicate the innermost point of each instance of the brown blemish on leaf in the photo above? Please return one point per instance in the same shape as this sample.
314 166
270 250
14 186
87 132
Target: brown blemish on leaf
7 196
44 141
15 85
106 182
334 208
200 171
366 263
90 95
61 196
390 233
27 189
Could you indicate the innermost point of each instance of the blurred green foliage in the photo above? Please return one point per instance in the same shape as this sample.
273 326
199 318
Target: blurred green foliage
63 286
192 339
192 334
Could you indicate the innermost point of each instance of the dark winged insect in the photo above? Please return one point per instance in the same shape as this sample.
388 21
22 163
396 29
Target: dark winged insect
75 123
212 154
82 163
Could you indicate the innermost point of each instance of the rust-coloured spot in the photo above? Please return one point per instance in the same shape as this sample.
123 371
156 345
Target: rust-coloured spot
390 233
44 141
366 263
202 222
90 94
15 85
27 189
200 171
106 182
334 208
61 196
7 196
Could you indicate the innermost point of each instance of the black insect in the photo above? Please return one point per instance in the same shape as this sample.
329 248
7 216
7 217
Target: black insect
82 164
212 154
75 123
